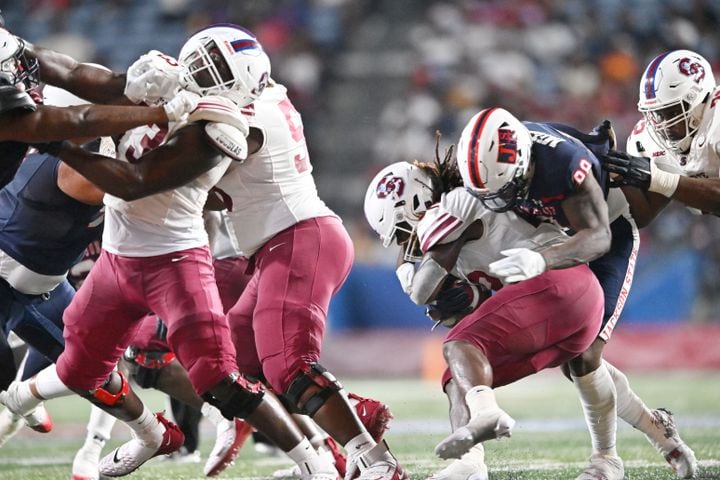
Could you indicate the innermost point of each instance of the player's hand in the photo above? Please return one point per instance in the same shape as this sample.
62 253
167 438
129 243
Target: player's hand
628 169
153 78
519 264
219 109
181 105
458 297
405 273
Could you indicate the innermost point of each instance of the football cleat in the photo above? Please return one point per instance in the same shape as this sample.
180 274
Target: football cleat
377 463
680 457
35 413
85 463
338 457
374 415
470 466
10 424
494 423
230 437
603 467
129 456
39 419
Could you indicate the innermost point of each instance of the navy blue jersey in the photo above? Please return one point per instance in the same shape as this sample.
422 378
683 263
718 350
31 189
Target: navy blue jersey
561 163
40 226
12 153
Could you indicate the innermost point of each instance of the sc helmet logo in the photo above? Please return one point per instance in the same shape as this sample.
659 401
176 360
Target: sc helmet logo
390 185
691 68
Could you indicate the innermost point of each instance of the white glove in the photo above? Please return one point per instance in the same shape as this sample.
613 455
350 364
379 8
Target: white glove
219 110
181 104
519 264
153 77
405 274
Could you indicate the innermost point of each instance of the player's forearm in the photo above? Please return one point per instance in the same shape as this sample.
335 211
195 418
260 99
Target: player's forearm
583 247
94 120
700 193
111 175
90 82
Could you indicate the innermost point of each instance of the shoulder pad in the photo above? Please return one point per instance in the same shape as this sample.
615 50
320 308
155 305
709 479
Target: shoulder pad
228 139
12 99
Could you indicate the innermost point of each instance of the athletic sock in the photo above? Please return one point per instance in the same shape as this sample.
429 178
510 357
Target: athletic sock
598 398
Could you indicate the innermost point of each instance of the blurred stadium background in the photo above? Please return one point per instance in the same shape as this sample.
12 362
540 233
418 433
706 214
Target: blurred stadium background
374 79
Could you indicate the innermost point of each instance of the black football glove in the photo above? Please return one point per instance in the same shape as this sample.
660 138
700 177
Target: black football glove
633 171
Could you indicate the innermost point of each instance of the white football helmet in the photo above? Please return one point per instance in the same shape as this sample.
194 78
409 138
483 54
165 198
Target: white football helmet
395 201
493 157
673 90
225 60
15 68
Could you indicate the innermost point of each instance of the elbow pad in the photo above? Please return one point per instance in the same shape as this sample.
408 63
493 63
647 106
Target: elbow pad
228 139
427 279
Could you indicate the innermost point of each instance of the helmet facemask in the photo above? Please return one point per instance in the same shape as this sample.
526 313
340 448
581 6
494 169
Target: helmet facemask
674 125
207 71
19 70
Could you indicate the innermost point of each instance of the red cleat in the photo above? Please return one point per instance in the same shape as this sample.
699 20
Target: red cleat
373 414
231 436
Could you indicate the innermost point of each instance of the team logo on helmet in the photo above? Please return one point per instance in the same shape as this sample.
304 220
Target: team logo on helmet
507 148
390 185
691 68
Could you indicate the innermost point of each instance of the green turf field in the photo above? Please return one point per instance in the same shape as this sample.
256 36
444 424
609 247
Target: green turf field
549 441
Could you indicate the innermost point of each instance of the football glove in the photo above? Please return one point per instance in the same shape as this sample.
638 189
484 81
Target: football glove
633 171
519 264
640 172
405 273
181 105
457 297
153 77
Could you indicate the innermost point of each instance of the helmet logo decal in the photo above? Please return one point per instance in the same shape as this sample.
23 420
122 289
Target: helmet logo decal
390 185
507 147
691 68
243 44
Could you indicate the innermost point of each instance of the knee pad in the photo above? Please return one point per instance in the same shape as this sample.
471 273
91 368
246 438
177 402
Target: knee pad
236 396
104 397
147 365
310 374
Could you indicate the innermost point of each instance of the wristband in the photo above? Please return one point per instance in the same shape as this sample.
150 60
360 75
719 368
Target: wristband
664 183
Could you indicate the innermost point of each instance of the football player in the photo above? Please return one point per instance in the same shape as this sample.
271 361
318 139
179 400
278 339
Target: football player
453 238
563 183
154 232
674 151
300 254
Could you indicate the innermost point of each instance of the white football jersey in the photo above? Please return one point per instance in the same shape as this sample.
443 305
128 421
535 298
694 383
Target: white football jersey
274 188
446 221
162 223
703 159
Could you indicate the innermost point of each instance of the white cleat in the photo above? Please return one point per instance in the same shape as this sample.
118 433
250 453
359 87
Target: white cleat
470 466
131 455
10 424
603 467
230 437
680 457
291 472
85 463
486 426
35 414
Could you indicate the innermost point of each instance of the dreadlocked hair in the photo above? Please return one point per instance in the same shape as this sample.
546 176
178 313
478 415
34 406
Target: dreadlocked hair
444 173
